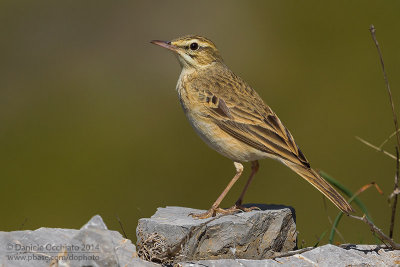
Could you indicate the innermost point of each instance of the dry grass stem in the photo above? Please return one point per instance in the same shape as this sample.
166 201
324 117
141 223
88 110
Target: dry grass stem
394 193
396 126
365 187
122 227
153 248
387 139
396 188
376 148
331 222
384 238
291 253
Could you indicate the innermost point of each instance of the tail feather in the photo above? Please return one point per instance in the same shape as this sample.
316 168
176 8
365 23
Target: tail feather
323 186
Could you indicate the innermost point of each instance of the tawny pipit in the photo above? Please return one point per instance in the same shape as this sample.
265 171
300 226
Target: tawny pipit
232 119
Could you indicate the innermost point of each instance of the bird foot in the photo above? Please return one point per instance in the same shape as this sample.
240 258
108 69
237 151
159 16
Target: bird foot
242 208
212 212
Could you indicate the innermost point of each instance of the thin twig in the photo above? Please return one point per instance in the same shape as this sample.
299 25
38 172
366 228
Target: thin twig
395 192
375 147
353 197
377 231
396 187
396 126
387 139
23 224
122 227
331 222
291 253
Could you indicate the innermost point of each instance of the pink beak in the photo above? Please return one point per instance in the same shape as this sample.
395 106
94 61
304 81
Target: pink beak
164 44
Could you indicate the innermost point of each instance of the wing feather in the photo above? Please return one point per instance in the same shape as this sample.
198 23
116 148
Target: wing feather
263 132
245 116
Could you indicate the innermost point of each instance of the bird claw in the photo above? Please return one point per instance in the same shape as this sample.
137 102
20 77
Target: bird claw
244 209
212 212
205 215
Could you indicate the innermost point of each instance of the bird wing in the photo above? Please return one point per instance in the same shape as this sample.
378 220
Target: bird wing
249 120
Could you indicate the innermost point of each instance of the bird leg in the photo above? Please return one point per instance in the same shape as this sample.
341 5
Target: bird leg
215 207
238 205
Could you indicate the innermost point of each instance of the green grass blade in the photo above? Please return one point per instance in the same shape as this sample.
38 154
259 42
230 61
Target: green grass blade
345 191
348 193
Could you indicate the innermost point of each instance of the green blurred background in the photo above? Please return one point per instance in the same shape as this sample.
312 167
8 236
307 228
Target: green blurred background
90 122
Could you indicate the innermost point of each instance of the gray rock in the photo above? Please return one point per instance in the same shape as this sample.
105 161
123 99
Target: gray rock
171 235
327 255
361 255
64 247
92 245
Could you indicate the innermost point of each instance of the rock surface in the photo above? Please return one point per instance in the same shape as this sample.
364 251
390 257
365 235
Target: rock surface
95 245
92 245
327 255
171 235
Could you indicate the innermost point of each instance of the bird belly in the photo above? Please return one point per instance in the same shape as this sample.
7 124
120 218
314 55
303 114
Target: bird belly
222 142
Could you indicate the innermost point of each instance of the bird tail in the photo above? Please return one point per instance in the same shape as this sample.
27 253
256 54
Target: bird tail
323 186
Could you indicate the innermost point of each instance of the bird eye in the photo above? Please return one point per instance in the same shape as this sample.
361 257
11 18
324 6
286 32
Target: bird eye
194 46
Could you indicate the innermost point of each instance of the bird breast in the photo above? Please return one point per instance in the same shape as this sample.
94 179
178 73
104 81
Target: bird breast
209 131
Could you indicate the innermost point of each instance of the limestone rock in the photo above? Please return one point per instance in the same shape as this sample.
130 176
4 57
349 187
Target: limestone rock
324 256
171 235
95 245
92 245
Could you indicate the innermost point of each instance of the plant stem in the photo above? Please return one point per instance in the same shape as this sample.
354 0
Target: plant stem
396 186
396 126
377 231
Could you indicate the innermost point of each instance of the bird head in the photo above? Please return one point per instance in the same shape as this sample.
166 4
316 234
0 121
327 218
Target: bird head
193 51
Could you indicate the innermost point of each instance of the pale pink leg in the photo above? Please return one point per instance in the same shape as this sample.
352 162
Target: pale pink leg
215 207
254 169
